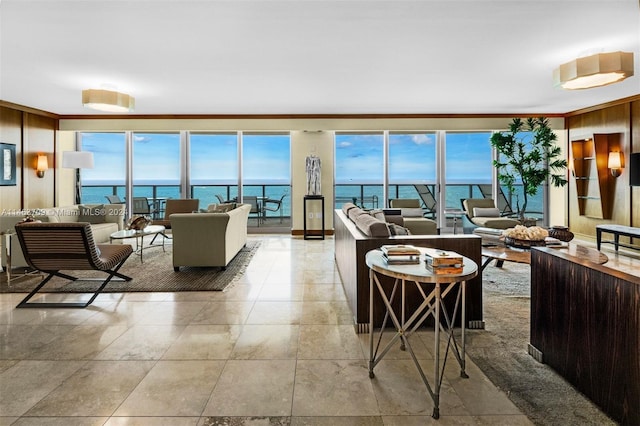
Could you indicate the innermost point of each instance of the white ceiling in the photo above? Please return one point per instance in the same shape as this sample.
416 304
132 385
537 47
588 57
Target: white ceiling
311 57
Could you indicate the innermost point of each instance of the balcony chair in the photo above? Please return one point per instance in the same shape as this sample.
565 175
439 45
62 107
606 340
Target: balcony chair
428 200
52 247
176 205
256 207
142 206
503 203
482 212
273 205
413 216
114 199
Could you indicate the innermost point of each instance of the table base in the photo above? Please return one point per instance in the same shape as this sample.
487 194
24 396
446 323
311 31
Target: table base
432 305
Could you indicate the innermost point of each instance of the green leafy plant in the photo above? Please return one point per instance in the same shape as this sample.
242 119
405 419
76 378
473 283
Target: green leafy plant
528 154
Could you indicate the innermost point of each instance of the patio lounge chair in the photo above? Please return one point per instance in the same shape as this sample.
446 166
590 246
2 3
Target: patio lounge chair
52 247
429 202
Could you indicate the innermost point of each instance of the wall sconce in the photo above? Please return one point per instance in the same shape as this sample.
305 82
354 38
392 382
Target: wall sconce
616 163
42 165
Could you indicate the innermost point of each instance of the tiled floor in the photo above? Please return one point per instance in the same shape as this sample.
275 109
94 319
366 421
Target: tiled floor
277 348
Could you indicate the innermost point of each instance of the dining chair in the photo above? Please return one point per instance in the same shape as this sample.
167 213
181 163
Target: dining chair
114 199
256 207
142 206
274 205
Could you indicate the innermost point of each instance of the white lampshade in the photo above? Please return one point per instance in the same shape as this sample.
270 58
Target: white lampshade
77 160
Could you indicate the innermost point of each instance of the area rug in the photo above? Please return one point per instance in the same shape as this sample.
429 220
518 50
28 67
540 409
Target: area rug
154 274
500 351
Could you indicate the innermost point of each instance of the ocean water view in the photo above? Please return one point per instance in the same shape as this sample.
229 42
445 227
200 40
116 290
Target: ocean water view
367 195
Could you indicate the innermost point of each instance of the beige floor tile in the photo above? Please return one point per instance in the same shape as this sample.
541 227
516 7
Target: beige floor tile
19 341
27 382
142 342
172 313
326 313
337 421
267 342
342 388
332 292
420 349
152 421
173 388
281 292
253 388
204 342
329 342
275 313
444 420
96 389
61 421
400 390
79 342
224 312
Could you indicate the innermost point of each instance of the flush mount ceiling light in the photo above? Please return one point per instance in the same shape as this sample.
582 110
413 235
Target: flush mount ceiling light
107 100
594 71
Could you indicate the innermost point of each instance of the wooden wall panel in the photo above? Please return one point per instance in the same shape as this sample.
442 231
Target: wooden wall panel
11 132
39 138
635 147
612 119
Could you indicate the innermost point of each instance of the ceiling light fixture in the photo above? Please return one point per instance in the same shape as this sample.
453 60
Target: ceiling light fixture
594 71
107 100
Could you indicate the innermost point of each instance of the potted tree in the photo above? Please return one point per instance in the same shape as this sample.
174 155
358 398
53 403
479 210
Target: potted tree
528 154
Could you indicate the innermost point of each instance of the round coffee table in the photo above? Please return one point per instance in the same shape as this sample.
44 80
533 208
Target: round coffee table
139 236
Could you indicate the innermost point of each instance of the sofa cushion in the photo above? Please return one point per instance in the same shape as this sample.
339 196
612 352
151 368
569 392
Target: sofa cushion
411 212
395 229
378 214
221 208
486 212
495 222
92 214
371 226
346 207
355 212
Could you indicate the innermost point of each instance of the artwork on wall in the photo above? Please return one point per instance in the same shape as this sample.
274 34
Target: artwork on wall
7 164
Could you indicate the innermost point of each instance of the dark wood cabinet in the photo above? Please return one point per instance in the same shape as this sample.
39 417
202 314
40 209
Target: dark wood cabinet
585 324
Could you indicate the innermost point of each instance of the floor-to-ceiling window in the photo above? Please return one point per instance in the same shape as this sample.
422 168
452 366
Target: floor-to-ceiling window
412 168
468 166
359 175
108 175
156 169
266 173
213 167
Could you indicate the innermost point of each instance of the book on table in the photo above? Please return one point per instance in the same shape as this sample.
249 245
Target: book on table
400 254
443 261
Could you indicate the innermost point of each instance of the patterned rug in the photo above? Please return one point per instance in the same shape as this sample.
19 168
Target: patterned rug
154 274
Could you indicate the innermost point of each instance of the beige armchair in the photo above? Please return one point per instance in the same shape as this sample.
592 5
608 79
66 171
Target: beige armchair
208 239
412 216
484 213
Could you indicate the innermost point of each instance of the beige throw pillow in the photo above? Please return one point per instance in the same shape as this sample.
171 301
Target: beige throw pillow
221 208
486 212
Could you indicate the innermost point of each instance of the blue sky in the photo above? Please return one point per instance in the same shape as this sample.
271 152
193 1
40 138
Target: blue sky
359 157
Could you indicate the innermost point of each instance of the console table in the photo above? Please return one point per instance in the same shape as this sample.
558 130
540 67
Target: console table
585 324
617 230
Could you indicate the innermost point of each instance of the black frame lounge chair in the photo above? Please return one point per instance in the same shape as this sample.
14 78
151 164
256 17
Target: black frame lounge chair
52 247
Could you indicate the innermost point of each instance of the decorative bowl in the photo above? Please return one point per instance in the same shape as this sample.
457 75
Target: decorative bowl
561 233
525 244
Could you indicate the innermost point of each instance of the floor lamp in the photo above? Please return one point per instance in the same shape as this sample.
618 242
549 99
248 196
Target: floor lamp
77 160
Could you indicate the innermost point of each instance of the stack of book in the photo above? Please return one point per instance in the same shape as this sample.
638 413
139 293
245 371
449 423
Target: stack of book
400 254
443 262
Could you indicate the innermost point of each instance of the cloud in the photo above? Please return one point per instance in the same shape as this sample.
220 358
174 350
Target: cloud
142 139
344 144
422 139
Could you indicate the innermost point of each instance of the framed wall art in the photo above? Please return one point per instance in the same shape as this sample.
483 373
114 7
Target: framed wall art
7 164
